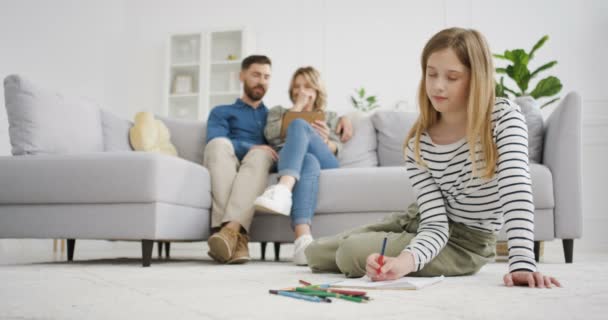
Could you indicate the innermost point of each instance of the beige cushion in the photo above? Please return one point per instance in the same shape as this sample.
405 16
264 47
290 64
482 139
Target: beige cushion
149 134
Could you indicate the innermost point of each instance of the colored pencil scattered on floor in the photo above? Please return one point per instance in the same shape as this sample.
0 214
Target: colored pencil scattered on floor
321 293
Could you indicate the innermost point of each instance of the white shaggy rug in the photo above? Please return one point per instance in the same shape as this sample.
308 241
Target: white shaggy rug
100 285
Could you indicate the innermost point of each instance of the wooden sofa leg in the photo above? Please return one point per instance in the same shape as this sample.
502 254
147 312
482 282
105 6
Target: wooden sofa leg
263 247
537 251
71 247
167 250
277 251
146 252
568 249
160 249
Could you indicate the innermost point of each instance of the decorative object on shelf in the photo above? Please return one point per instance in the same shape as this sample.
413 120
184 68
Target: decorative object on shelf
231 57
518 71
182 84
362 102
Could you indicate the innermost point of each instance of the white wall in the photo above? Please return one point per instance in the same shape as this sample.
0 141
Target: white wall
73 46
114 51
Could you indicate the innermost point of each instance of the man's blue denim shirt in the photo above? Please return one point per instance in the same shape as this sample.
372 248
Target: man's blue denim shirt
240 123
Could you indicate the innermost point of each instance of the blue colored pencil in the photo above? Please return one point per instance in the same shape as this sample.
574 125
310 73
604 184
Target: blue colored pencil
383 246
299 296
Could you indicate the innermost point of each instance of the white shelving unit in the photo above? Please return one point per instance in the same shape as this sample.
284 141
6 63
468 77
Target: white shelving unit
203 71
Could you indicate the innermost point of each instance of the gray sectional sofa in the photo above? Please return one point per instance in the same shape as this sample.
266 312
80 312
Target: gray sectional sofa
73 175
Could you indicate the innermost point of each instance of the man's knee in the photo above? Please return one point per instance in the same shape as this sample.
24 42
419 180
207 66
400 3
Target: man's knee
258 158
218 146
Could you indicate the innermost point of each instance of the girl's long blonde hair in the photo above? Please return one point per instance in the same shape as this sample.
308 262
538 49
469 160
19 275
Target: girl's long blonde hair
313 77
472 50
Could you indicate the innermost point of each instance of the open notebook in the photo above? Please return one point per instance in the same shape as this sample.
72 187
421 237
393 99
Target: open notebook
405 283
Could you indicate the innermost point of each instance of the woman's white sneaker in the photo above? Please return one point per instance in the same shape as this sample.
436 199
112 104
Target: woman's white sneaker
275 199
300 245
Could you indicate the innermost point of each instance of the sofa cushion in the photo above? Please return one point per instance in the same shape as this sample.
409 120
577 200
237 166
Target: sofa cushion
45 122
530 108
188 137
364 190
542 186
104 177
361 149
115 132
388 189
391 128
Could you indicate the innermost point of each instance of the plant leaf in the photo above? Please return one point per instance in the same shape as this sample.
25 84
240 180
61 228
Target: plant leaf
538 44
500 56
550 102
517 56
371 99
521 75
547 87
511 91
543 67
501 70
362 92
355 102
499 89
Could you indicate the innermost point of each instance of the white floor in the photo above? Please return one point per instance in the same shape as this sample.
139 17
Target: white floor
110 284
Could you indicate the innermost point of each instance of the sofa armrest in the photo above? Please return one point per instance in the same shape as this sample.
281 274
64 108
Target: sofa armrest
562 155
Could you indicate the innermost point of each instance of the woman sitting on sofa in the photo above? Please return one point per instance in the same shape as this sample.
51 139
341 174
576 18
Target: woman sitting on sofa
305 150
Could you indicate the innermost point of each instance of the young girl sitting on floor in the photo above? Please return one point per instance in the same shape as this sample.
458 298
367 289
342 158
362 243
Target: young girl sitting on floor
467 160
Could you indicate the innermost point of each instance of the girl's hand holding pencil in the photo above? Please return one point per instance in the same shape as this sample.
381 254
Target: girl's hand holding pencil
392 267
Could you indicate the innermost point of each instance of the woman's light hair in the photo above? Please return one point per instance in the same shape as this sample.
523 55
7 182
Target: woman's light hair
472 50
313 77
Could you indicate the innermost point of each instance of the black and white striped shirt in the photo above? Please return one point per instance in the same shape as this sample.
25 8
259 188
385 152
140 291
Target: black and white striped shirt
445 191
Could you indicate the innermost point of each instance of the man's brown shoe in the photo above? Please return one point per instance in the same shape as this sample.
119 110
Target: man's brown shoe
241 254
223 245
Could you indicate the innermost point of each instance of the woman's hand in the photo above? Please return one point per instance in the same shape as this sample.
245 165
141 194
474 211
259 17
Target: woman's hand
392 268
530 279
322 129
303 99
344 129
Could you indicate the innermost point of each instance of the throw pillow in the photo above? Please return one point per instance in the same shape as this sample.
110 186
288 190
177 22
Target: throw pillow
534 120
392 127
360 150
115 132
46 122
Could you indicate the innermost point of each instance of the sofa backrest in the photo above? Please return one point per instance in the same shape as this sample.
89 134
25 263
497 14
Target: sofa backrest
391 129
361 149
188 137
46 122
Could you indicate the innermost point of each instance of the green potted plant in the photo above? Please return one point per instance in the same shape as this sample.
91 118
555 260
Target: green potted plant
518 71
362 102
